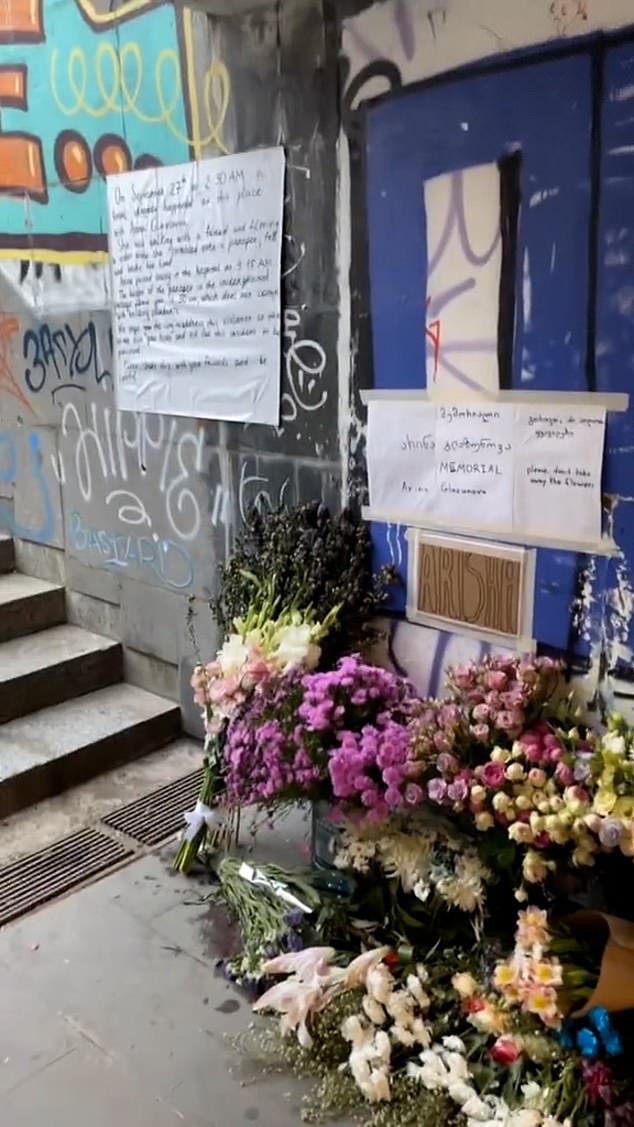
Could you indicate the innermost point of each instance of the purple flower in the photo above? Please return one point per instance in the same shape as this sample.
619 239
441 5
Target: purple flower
414 794
582 769
610 833
492 775
369 797
458 791
442 742
393 797
447 764
437 790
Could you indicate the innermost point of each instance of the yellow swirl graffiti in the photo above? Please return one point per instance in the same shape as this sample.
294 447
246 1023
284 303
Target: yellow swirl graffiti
118 93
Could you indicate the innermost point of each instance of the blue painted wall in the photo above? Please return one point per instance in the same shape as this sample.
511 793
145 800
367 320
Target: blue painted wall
571 115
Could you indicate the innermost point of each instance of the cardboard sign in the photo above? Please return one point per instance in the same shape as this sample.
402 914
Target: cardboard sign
470 586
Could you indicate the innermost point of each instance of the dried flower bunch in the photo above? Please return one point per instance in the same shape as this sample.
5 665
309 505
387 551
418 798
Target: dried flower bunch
315 560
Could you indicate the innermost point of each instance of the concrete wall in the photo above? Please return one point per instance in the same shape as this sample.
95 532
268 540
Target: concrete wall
134 512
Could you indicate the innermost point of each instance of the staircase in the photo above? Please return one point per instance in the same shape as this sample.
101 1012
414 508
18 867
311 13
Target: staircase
65 713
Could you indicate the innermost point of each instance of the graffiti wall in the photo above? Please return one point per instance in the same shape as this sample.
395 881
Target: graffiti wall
491 167
457 213
135 512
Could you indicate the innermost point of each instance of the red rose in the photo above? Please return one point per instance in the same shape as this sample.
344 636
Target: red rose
473 1005
505 1051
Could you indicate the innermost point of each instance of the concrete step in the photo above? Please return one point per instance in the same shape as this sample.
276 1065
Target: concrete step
52 666
7 557
28 605
57 748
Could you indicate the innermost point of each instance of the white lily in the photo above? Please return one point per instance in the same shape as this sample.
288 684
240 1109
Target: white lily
303 964
357 971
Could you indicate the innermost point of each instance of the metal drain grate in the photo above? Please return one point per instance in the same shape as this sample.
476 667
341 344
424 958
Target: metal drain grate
31 882
158 815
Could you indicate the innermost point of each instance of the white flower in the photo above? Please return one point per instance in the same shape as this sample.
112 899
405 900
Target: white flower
355 854
403 1035
378 1087
464 984
460 895
369 1060
400 1006
457 1066
476 1108
421 1032
383 1046
415 988
531 1091
453 1044
405 857
379 983
613 742
373 1010
293 647
356 972
422 891
233 655
428 1077
461 1092
525 1117
352 1030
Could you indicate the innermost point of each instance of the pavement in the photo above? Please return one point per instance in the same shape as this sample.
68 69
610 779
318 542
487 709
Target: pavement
113 1013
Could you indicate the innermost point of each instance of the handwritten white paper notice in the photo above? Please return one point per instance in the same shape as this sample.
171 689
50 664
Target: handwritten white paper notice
534 472
474 450
401 463
558 472
195 251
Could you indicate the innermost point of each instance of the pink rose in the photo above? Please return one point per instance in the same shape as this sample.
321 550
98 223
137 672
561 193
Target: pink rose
480 732
413 794
447 764
533 753
564 774
492 775
495 679
481 713
505 1051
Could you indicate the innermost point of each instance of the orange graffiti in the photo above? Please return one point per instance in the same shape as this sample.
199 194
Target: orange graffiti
21 21
21 156
8 328
22 166
13 87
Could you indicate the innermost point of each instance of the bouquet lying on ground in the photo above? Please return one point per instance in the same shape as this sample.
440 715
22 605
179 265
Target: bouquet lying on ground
450 1035
298 587
421 992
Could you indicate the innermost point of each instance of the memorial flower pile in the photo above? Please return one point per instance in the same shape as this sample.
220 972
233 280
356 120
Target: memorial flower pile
453 958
